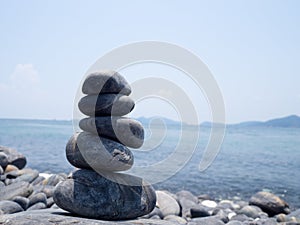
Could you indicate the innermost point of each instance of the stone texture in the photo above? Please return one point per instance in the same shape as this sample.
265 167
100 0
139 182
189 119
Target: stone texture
14 157
59 216
22 188
22 201
1 170
199 211
269 203
36 206
106 105
250 211
39 197
105 81
3 159
85 150
211 220
8 207
127 131
167 204
28 176
89 194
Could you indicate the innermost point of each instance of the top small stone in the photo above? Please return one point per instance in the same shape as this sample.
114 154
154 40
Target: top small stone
105 81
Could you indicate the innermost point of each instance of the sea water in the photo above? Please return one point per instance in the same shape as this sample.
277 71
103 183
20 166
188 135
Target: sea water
250 159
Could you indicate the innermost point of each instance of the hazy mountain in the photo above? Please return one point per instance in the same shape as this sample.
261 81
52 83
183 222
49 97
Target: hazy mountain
289 121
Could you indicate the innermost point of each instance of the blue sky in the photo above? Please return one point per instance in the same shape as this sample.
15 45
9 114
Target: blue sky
251 47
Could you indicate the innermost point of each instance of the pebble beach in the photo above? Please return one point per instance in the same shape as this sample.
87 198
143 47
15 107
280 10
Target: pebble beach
26 197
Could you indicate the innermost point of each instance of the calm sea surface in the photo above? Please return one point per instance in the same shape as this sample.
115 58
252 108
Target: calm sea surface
250 159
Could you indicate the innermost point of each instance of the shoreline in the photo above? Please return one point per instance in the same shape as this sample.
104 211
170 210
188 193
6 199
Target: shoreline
25 190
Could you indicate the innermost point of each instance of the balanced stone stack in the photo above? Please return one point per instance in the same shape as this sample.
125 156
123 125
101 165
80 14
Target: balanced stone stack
97 190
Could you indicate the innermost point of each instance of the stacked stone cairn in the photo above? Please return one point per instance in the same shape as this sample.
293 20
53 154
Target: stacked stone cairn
98 189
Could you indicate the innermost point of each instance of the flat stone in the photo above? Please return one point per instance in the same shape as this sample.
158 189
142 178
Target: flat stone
14 157
234 222
1 170
105 81
106 105
22 201
88 194
59 216
3 160
8 207
22 188
28 176
211 220
167 204
269 203
175 219
127 131
86 150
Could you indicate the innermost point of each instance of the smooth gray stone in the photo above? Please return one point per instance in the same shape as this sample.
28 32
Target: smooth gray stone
210 220
234 222
50 202
251 211
39 197
175 219
127 131
155 212
88 151
38 180
14 157
199 211
295 213
54 180
106 105
91 195
48 190
59 216
10 207
187 195
269 203
1 184
105 81
28 176
186 200
1 170
3 160
241 218
22 201
38 205
167 204
22 188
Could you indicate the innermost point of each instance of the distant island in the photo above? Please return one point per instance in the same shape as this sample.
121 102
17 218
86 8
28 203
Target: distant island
292 121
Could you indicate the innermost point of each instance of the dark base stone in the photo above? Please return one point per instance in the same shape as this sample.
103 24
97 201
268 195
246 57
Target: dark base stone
91 195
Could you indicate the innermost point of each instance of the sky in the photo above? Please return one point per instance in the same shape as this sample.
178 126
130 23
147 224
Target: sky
252 49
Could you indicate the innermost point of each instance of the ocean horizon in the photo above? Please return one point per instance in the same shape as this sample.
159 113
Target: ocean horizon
251 159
